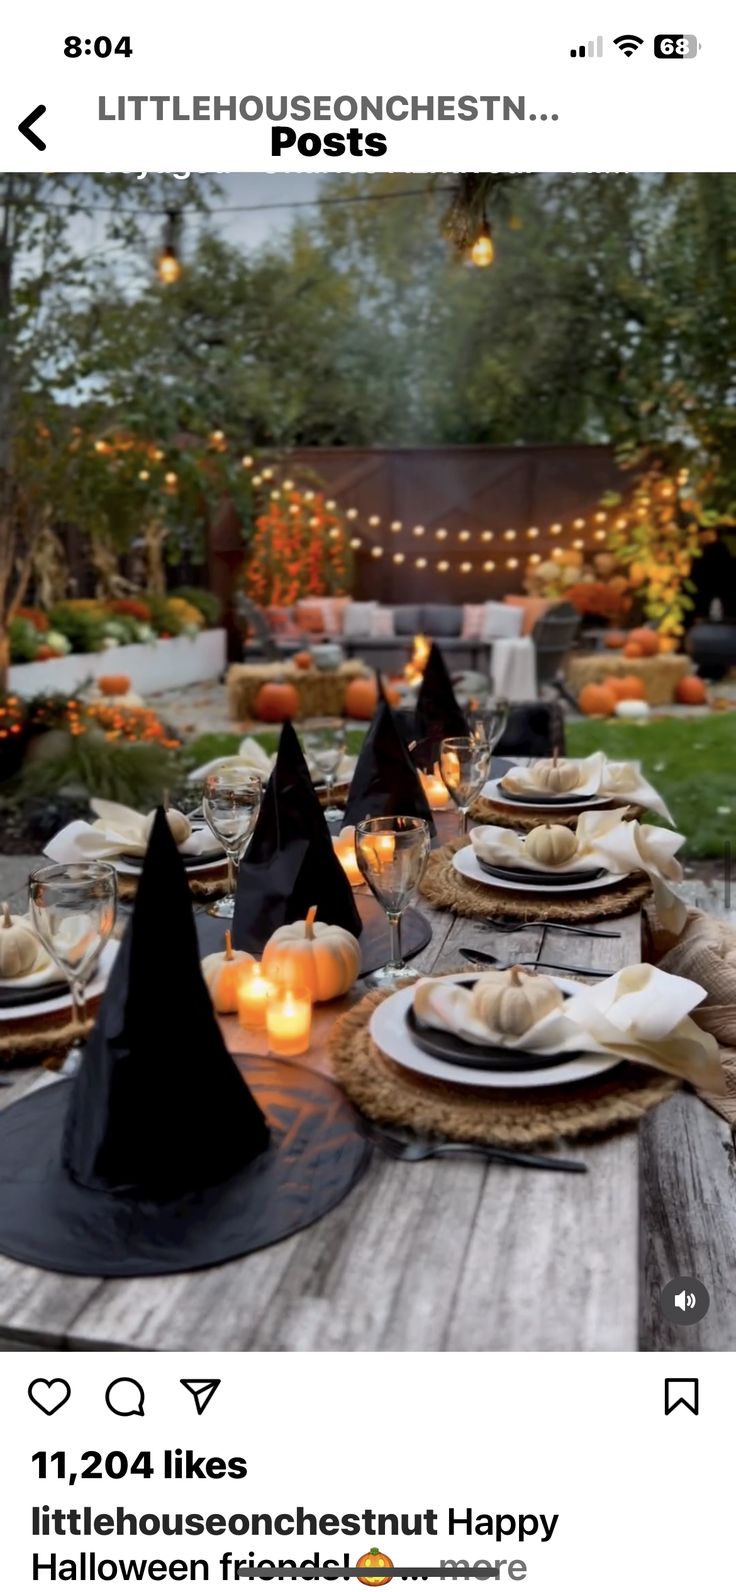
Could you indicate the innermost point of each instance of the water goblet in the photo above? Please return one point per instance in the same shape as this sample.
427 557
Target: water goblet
488 719
464 765
73 907
392 855
324 747
231 803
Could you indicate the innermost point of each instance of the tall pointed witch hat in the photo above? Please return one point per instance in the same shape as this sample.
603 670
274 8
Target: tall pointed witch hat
385 782
290 864
438 712
157 1157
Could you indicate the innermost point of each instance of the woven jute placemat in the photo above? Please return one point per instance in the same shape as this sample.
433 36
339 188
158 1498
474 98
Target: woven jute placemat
203 886
444 887
392 1095
40 1041
526 818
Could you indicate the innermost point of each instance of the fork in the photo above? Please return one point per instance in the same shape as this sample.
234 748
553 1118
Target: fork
413 1148
500 926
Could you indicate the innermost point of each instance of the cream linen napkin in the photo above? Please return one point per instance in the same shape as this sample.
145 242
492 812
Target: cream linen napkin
626 781
640 1015
117 831
622 782
250 756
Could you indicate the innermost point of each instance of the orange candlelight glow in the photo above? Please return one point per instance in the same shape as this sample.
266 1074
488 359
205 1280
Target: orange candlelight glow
254 994
418 662
435 789
289 1022
344 845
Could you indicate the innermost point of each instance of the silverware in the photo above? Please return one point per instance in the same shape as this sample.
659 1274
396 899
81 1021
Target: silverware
409 1147
485 958
500 926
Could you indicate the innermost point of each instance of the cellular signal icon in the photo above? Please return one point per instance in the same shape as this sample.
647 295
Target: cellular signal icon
593 47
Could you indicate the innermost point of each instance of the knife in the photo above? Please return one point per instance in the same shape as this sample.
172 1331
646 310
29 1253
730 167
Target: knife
472 955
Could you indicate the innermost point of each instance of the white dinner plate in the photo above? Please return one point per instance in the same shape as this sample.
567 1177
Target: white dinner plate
60 1003
389 1032
494 792
466 863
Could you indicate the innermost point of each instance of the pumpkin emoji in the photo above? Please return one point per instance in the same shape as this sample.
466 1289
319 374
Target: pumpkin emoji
276 702
222 972
321 957
374 1560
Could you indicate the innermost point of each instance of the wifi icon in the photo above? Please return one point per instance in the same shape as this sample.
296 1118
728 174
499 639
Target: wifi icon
628 43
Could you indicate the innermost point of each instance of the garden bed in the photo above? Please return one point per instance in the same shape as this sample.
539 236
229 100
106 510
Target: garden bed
150 666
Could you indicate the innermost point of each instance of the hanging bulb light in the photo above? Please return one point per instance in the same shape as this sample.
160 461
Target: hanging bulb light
482 252
168 263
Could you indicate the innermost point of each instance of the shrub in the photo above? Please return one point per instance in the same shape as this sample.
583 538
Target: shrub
209 606
24 640
83 625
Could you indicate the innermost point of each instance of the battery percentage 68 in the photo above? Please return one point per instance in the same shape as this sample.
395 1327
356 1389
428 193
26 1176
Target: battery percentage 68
676 46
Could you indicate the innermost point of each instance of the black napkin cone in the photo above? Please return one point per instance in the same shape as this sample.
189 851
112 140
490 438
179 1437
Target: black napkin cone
438 712
290 864
159 1105
385 783
157 1157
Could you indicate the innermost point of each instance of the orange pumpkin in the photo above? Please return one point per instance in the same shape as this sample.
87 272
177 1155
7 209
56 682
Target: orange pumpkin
691 691
374 1560
597 700
630 688
303 660
615 638
633 650
668 644
361 699
647 640
276 701
114 684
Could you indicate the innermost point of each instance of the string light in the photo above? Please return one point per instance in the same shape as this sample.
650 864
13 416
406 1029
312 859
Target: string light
599 536
486 536
420 563
355 542
466 568
578 525
441 535
512 563
399 558
168 264
555 530
351 514
482 252
532 533
395 526
578 544
489 565
443 566
247 462
463 536
535 558
418 530
376 552
509 536
373 519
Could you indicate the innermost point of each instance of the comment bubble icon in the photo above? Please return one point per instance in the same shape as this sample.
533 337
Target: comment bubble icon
125 1396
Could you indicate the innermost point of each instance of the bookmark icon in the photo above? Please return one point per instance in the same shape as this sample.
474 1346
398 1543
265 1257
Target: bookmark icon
202 1389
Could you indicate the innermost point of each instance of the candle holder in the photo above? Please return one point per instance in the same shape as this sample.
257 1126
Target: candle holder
254 994
289 1021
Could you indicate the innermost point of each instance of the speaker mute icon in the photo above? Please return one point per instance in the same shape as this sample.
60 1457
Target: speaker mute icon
593 47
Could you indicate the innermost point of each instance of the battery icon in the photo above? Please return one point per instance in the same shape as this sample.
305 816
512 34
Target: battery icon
676 46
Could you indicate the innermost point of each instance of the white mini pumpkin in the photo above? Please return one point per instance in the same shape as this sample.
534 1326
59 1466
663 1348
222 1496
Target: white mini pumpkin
321 957
550 845
555 776
222 972
19 948
514 1001
178 823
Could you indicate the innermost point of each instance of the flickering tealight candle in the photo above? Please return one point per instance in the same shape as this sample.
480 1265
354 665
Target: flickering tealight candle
435 789
344 845
289 1022
254 994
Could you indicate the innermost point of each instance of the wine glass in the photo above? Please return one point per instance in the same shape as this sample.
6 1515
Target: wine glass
464 766
324 747
392 855
487 720
231 803
73 907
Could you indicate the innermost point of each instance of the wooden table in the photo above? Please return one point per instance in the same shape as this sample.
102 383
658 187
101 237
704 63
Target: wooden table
445 1254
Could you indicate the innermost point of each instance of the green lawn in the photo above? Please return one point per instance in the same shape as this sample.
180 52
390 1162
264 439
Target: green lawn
691 761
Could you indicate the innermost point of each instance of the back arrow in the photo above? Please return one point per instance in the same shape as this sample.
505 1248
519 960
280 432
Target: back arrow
25 126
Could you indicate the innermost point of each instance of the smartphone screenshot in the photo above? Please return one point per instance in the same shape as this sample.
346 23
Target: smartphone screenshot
367 795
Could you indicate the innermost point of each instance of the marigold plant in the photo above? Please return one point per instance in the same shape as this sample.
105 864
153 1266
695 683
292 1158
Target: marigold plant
300 548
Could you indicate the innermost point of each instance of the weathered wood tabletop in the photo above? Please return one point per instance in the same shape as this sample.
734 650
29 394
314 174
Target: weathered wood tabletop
445 1254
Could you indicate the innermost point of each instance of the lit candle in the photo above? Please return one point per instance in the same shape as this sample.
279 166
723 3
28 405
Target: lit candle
254 994
289 1022
435 789
344 845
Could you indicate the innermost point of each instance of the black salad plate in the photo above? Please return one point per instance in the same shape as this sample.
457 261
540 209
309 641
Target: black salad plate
10 998
491 1058
539 877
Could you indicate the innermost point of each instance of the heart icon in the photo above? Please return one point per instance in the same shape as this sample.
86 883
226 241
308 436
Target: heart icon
49 1396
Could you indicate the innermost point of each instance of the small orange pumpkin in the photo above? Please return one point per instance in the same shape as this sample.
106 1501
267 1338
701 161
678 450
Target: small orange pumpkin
114 684
276 701
648 640
303 660
633 650
597 700
374 1560
615 639
361 699
668 644
691 691
630 688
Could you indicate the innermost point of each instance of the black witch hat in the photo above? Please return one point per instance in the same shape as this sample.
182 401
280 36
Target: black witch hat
438 712
385 783
157 1157
290 864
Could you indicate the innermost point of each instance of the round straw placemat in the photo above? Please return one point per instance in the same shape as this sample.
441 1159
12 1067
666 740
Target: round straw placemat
203 886
35 1041
445 888
393 1095
525 818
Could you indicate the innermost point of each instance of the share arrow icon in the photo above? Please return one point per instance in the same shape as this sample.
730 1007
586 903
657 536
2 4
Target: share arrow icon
202 1389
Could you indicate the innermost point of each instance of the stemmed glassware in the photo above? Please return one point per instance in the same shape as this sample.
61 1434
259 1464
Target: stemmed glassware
231 803
324 748
487 721
73 907
392 855
464 765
